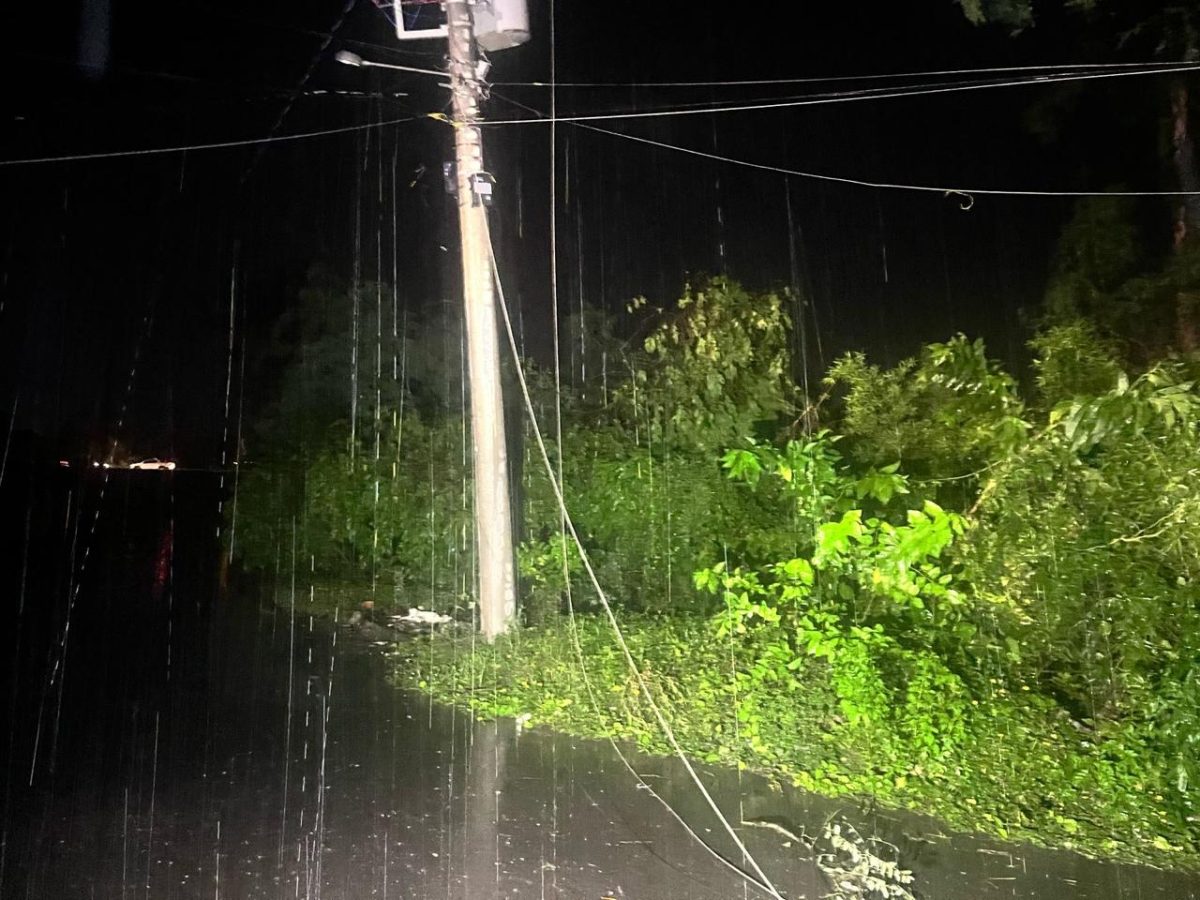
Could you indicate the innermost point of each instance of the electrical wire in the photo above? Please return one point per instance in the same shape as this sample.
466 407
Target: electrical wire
965 194
760 878
754 102
541 117
256 92
300 85
279 25
751 82
848 97
580 122
558 429
216 145
873 93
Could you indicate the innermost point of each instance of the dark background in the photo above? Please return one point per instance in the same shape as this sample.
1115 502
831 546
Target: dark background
116 266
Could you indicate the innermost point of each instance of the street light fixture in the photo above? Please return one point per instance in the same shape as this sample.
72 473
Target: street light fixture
353 59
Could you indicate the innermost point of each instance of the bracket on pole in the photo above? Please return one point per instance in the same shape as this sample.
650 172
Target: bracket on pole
483 185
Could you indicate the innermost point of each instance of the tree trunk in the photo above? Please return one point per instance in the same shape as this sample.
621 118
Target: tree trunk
1187 212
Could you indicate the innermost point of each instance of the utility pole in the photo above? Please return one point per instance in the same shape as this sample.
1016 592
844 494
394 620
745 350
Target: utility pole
495 25
493 517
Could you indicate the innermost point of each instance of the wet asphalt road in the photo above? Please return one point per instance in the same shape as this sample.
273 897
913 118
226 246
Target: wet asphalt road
190 742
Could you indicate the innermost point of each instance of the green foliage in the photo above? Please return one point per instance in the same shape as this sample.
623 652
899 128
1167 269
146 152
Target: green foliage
950 597
870 595
639 475
714 368
1071 361
1020 653
1011 767
1112 262
1086 549
386 494
404 514
312 472
1099 249
400 516
547 568
1013 14
1016 15
942 415
1100 275
1143 304
647 518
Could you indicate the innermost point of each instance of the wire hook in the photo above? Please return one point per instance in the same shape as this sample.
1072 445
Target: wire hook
966 200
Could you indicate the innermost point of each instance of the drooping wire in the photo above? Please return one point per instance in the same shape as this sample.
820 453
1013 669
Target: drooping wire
965 194
212 145
847 97
837 98
558 438
399 339
12 424
300 85
233 285
830 79
278 24
558 430
78 565
759 878
811 98
378 423
237 450
579 120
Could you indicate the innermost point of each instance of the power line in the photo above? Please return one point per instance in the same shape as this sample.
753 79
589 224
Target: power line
756 877
763 885
312 67
965 194
579 121
249 92
279 25
815 79
873 93
849 97
217 145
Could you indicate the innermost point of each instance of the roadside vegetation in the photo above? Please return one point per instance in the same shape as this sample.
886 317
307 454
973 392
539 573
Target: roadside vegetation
940 584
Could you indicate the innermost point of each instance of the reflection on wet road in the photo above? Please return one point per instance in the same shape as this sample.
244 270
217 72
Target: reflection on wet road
209 745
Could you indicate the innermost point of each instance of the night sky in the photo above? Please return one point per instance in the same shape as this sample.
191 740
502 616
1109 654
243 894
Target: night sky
108 262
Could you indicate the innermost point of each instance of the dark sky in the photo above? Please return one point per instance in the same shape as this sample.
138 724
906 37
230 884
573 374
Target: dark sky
94 253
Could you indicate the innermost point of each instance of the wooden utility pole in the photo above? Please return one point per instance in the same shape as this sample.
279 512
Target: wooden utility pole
493 517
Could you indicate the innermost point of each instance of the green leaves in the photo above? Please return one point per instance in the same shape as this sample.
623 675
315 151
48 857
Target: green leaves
836 539
864 580
797 570
743 465
546 568
943 414
1013 14
860 555
881 484
1157 402
835 565
712 368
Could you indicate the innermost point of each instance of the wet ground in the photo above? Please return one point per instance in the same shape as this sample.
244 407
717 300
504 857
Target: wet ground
190 742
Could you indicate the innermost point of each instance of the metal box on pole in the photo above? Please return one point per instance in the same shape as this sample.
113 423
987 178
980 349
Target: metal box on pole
499 24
